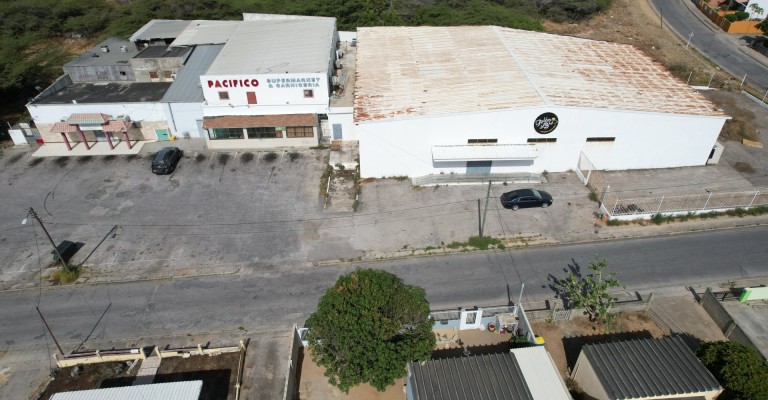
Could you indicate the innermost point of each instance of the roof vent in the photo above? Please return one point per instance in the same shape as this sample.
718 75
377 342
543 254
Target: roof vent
123 49
105 49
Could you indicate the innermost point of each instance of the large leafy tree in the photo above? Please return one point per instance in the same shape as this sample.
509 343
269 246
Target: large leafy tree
367 327
740 369
590 292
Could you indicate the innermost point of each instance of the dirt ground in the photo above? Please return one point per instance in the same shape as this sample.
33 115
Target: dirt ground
218 373
564 339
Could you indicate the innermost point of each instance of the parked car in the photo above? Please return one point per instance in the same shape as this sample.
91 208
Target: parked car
165 160
523 198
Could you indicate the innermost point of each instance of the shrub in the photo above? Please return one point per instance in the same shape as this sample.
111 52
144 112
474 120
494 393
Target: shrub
740 369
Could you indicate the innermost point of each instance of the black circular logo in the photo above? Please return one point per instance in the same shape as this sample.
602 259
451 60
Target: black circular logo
545 123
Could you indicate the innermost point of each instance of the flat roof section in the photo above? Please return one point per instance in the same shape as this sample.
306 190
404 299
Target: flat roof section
114 56
85 93
160 29
277 46
205 32
255 121
424 71
163 52
188 390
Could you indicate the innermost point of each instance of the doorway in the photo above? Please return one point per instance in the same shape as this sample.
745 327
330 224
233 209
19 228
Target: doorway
479 167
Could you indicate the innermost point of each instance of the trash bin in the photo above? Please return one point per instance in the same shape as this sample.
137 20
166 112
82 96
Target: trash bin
539 341
67 249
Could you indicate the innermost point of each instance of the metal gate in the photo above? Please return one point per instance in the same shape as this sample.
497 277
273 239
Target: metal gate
479 167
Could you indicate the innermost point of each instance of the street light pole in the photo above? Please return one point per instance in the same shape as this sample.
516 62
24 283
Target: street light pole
34 215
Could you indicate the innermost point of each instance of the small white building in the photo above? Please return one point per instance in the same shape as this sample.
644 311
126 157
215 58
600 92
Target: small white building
487 99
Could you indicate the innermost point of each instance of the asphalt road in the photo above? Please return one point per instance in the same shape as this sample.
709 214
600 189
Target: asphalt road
713 43
275 300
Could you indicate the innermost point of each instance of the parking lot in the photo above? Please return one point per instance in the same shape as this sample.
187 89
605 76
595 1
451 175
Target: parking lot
229 212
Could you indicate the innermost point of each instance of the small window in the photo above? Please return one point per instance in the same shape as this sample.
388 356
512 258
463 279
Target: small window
309 93
251 97
482 141
122 73
153 75
299 131
601 139
223 95
167 74
542 140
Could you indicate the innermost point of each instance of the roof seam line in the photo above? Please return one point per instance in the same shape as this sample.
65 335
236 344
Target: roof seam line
521 65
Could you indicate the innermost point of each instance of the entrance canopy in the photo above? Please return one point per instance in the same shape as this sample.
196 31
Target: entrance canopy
484 152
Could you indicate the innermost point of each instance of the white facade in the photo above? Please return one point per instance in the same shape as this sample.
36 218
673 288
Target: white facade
151 116
265 94
612 139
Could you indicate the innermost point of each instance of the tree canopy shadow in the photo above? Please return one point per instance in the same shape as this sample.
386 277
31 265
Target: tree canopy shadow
572 267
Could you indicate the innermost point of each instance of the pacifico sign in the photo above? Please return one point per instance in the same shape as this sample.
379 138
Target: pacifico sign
545 123
232 83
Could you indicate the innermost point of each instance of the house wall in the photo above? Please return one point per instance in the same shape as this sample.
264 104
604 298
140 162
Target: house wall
584 375
184 118
275 94
344 117
271 143
642 140
101 73
143 66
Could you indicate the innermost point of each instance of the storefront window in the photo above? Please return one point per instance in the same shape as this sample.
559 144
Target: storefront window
226 133
300 131
265 132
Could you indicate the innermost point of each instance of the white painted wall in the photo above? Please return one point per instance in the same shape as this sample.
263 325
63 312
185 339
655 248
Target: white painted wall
183 117
643 140
275 94
343 116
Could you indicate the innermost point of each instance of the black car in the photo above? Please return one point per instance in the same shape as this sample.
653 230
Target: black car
165 160
522 198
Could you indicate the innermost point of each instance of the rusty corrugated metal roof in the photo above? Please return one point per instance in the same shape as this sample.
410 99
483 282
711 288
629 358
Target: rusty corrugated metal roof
421 71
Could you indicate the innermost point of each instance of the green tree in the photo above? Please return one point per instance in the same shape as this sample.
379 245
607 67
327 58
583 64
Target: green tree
763 26
367 327
740 369
756 9
591 291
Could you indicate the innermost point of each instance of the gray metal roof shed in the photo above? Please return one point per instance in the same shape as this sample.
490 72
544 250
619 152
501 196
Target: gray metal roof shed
648 368
522 374
160 29
189 390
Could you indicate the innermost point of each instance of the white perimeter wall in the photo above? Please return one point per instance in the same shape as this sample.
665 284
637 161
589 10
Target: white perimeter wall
643 140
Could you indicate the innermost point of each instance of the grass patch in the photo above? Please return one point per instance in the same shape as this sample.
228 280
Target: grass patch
319 147
659 219
223 158
484 242
744 167
270 157
324 181
65 275
592 196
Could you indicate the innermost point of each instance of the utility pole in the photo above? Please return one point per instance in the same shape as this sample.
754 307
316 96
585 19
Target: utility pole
661 17
49 330
56 249
479 220
485 212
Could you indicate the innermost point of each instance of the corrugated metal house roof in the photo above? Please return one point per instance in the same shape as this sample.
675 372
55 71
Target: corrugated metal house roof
649 368
186 85
160 29
421 71
189 390
523 374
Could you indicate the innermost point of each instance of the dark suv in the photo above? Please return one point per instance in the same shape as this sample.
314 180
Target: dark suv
165 160
523 198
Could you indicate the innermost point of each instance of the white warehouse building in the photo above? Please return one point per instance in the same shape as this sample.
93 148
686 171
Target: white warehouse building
486 99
